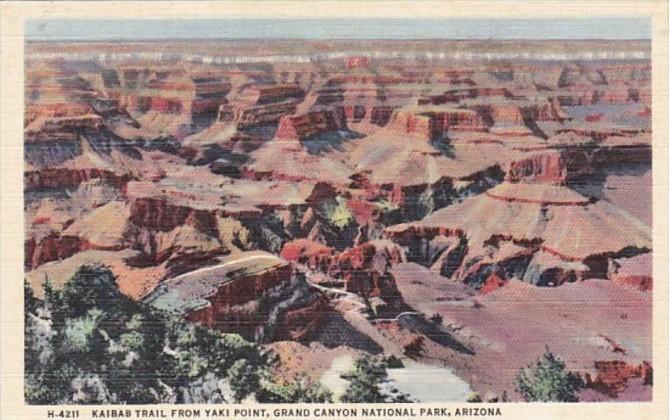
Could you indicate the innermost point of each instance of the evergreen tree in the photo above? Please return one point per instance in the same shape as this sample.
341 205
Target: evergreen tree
300 391
365 378
549 380
244 379
30 304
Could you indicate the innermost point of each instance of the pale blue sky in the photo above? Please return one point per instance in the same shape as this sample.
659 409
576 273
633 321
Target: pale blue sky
363 28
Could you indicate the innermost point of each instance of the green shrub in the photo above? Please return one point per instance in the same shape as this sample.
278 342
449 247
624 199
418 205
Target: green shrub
300 391
548 380
340 216
474 397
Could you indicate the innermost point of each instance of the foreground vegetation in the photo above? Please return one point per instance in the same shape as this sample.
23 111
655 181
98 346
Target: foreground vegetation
90 344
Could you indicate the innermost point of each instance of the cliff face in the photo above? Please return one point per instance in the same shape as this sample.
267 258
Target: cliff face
312 254
546 167
458 95
53 247
365 270
429 122
161 215
521 237
235 307
71 178
263 303
260 105
570 163
255 115
612 376
175 94
57 124
63 110
183 237
311 124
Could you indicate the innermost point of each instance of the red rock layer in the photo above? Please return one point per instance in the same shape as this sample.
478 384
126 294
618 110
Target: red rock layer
68 123
298 324
70 178
545 167
261 105
236 308
301 127
432 123
492 283
612 376
51 248
227 311
313 254
365 271
57 110
158 214
456 95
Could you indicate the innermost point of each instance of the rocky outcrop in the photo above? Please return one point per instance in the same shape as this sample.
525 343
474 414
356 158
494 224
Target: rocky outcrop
257 115
544 167
490 270
53 247
416 201
303 321
556 167
260 105
612 375
254 294
304 126
549 269
431 122
64 124
380 114
57 110
236 307
179 94
312 254
504 113
519 234
635 271
183 237
492 283
366 270
71 178
550 110
159 214
457 95
444 254
357 62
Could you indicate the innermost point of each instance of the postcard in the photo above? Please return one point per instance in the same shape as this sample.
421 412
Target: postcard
329 210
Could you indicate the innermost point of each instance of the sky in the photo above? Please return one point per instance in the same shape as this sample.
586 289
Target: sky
362 28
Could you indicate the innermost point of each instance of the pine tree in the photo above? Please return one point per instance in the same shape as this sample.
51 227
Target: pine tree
365 378
549 380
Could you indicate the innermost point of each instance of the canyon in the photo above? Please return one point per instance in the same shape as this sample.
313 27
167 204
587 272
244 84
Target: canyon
459 205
